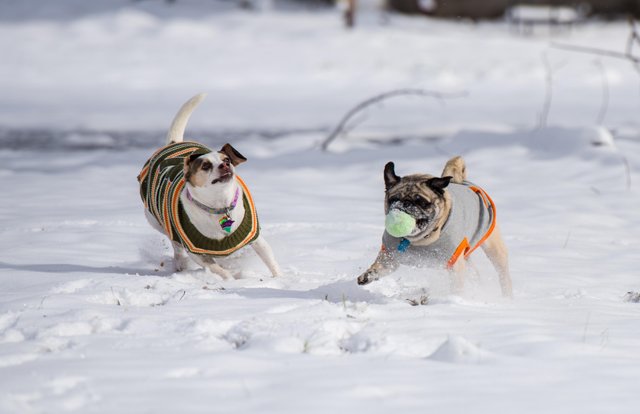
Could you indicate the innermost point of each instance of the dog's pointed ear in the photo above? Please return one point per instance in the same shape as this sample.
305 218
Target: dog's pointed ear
390 177
233 154
438 184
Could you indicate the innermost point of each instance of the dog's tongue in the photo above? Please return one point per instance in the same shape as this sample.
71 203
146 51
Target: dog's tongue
399 224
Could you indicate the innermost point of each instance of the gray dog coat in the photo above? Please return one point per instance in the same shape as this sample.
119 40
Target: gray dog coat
470 222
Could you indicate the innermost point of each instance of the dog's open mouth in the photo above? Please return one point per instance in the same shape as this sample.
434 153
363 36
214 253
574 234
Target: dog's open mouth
223 178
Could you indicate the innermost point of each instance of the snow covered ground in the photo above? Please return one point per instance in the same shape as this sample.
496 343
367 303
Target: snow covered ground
93 319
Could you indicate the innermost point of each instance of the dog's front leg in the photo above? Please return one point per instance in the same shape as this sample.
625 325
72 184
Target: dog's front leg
385 264
457 273
219 270
263 250
211 265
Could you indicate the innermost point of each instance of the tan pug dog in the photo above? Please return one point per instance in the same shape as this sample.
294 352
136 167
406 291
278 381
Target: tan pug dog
444 220
193 195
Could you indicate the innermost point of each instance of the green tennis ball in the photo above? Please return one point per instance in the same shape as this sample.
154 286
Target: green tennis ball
399 224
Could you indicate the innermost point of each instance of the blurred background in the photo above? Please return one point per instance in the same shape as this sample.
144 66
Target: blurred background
110 73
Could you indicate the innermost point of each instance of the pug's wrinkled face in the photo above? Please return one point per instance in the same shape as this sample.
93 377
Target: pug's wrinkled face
420 195
214 168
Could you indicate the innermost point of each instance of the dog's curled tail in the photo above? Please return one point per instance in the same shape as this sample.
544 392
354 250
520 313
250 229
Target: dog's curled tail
455 168
179 124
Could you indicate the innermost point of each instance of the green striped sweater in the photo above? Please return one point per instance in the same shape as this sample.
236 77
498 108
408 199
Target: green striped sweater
161 183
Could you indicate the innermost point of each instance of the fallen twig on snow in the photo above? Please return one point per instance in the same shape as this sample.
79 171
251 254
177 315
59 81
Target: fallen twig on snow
116 297
169 298
338 130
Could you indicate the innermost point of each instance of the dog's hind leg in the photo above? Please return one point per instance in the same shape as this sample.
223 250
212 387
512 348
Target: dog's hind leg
496 251
455 168
384 265
263 250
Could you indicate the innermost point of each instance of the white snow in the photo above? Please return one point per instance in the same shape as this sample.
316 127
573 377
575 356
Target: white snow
93 319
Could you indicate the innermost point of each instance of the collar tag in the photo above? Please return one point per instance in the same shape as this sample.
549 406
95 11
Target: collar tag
404 245
226 223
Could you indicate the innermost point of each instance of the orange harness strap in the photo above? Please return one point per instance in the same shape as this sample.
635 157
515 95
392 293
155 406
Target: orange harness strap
464 248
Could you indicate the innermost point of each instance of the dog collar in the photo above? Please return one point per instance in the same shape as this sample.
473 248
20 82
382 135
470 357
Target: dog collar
210 210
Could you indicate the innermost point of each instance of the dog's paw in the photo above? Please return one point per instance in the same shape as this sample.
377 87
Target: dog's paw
220 271
179 265
633 297
366 278
276 271
422 300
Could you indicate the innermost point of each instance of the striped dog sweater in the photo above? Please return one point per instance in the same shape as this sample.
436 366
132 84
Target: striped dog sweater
161 183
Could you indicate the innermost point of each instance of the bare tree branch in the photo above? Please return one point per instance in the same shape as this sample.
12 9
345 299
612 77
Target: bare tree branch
548 95
627 170
595 51
634 39
604 105
339 129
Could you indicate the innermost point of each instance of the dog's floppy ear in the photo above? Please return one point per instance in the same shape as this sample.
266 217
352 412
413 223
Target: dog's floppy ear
438 184
188 160
187 163
390 177
233 154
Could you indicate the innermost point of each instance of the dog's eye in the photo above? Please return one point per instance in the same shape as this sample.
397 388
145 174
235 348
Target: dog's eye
421 202
206 166
226 161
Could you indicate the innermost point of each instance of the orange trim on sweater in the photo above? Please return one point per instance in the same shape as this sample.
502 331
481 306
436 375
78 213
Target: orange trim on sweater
181 153
191 246
165 212
464 246
154 184
143 173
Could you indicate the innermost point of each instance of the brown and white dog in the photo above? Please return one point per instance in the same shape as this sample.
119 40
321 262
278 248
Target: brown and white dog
452 218
193 195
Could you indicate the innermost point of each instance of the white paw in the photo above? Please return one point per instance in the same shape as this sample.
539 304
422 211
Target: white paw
180 264
276 271
216 269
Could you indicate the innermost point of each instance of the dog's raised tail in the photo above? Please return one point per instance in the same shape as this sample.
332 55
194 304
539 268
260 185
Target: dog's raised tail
179 124
455 168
